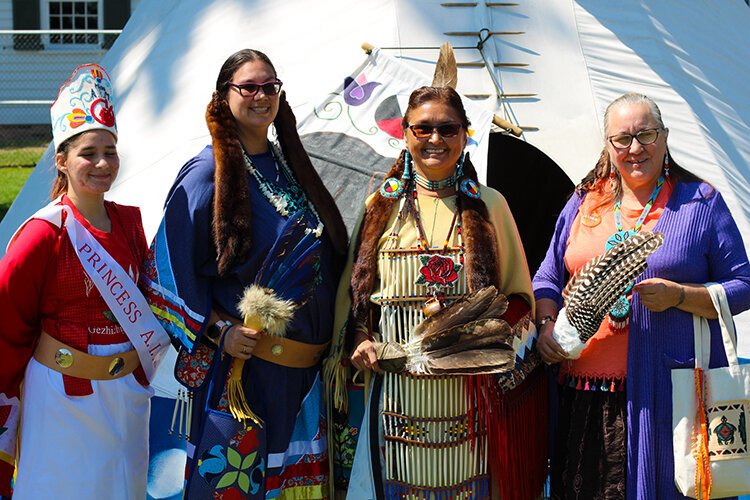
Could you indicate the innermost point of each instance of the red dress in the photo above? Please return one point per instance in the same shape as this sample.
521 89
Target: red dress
44 287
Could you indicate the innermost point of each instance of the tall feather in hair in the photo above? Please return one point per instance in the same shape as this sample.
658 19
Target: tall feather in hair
468 337
446 72
591 293
285 281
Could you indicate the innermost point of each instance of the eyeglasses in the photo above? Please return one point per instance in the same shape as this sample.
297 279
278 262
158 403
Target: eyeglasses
250 89
423 131
644 137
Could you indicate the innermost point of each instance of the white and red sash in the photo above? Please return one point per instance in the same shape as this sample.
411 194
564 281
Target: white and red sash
118 289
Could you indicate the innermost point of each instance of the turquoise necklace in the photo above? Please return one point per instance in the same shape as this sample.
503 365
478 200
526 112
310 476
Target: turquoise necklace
619 315
286 200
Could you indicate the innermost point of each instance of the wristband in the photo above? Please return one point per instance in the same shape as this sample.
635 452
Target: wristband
682 297
545 320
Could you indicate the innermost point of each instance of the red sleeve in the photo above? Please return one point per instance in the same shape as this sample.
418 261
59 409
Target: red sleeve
22 276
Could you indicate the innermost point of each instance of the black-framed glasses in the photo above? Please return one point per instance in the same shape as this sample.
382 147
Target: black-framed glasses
272 87
645 137
423 131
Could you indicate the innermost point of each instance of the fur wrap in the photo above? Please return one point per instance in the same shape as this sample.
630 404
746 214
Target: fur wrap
232 218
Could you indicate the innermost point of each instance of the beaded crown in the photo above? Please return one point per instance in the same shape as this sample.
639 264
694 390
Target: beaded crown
84 102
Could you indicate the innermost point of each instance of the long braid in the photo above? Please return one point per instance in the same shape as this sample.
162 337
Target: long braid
479 236
299 162
232 214
365 265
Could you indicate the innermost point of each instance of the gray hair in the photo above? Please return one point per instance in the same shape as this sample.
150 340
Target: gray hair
633 98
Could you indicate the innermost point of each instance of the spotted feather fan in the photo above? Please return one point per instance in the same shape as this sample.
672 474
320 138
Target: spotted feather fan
592 292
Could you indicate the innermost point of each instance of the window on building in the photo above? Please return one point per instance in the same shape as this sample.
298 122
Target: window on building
73 15
81 15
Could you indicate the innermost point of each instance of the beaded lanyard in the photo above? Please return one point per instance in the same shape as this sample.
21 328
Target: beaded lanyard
619 315
286 200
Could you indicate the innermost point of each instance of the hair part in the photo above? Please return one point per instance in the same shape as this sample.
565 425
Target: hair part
633 99
604 169
446 95
234 62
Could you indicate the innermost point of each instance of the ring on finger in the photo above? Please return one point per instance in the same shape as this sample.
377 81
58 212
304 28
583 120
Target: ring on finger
244 350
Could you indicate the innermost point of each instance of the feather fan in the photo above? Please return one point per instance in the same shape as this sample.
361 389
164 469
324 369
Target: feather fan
591 293
285 280
467 337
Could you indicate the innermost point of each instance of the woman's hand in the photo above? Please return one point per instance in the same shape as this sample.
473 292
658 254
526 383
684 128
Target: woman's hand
240 341
548 348
658 294
363 357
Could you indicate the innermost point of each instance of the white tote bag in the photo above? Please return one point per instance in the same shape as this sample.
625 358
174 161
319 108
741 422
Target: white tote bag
727 404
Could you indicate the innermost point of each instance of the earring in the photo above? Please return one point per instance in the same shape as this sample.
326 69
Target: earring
407 166
612 178
460 167
666 165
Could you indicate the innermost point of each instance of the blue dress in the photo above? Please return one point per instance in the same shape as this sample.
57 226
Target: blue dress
186 286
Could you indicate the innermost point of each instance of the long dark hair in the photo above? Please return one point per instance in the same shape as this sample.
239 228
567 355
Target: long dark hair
232 217
604 170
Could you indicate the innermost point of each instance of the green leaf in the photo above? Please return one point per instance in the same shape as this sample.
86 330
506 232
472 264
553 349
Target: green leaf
244 482
234 458
249 460
227 479
421 280
424 259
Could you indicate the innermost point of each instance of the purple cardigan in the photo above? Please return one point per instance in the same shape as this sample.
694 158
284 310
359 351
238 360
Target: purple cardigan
702 244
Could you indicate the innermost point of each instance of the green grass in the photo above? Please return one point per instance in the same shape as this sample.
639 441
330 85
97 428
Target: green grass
21 156
12 180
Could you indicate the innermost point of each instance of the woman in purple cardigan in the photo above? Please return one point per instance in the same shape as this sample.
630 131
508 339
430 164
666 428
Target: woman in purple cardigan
614 439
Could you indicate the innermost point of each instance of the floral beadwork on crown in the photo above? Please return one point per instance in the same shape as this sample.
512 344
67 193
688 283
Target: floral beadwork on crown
84 102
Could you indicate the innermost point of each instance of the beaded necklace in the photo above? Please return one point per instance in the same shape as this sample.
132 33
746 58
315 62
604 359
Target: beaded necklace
435 185
619 315
286 200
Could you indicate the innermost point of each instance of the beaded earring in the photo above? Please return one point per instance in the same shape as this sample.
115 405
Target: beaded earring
666 164
612 179
460 167
393 187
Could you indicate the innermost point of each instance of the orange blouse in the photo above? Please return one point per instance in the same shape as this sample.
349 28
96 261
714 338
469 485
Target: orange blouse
605 357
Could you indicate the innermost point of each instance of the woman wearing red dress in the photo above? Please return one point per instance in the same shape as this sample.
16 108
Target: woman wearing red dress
67 361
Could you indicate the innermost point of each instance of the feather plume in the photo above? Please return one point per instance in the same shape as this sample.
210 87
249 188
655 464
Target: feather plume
592 292
467 337
284 281
446 73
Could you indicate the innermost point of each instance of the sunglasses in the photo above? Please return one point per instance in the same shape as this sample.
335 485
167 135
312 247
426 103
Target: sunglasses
644 137
423 131
250 89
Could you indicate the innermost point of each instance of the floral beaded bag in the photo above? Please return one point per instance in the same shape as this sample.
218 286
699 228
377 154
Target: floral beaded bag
709 414
228 460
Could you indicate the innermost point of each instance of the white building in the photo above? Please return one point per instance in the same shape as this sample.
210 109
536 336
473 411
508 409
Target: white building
32 66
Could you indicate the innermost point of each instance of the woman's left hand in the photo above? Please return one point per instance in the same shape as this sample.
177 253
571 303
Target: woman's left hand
658 294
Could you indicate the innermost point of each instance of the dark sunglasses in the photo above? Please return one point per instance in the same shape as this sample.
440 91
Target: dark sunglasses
423 131
645 137
250 89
